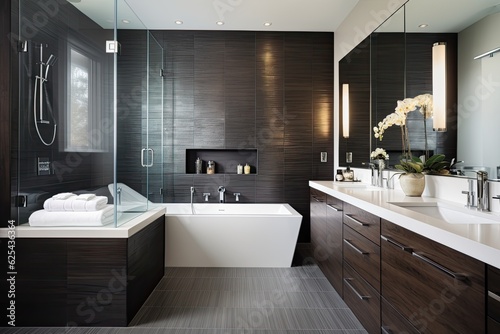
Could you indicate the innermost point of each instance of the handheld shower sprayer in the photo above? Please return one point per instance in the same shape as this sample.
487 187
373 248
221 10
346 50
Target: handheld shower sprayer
40 95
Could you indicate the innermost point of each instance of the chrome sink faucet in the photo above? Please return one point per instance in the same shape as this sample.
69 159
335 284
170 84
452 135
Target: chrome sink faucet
483 200
470 194
222 194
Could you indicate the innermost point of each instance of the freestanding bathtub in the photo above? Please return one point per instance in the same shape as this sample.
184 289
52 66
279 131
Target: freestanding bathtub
230 235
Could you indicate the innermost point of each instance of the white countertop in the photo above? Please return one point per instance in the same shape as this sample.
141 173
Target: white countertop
480 241
109 231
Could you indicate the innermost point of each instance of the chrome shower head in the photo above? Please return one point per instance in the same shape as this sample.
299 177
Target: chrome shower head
51 61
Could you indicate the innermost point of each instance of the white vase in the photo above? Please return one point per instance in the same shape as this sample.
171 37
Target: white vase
413 184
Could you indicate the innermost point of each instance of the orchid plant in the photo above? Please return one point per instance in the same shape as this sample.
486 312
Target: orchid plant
410 164
379 154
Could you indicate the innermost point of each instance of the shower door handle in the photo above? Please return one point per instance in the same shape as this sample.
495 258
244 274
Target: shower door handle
147 151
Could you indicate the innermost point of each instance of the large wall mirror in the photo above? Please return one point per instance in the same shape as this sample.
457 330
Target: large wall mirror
401 66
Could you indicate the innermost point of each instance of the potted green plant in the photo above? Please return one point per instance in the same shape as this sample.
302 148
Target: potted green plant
412 178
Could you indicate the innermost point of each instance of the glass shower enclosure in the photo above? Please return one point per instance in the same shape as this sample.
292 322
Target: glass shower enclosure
88 107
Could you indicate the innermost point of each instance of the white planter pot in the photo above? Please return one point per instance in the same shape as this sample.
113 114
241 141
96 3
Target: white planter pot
413 184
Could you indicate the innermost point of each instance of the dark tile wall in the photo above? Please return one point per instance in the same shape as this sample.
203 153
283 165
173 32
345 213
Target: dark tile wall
70 170
272 91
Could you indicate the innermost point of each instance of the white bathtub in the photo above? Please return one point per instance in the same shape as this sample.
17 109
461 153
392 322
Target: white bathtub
230 235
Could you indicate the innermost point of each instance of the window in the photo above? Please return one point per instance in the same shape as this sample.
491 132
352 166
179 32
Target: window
84 132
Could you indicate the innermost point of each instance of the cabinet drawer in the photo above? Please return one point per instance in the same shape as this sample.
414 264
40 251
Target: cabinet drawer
363 222
494 293
362 299
333 265
393 322
363 255
438 289
493 326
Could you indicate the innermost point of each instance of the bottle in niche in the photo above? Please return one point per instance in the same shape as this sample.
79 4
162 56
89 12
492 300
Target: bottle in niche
211 167
247 169
239 169
198 165
348 174
340 175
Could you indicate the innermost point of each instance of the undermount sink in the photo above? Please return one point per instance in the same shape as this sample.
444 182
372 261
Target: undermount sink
357 185
450 213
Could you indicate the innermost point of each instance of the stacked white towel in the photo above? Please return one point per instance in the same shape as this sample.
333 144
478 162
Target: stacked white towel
72 202
71 218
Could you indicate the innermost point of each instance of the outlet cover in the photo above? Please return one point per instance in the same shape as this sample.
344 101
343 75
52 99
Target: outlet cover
324 156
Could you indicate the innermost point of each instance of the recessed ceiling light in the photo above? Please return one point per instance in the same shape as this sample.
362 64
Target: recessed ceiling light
423 25
268 24
219 23
74 1
125 21
178 22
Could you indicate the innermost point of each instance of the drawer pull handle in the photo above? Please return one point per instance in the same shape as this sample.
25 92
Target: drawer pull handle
436 265
385 330
355 248
494 296
397 244
356 221
348 283
333 208
317 199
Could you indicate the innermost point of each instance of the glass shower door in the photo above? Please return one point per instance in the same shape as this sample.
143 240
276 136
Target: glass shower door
139 116
152 150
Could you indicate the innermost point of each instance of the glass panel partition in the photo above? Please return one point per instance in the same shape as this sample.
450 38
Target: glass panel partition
63 106
85 119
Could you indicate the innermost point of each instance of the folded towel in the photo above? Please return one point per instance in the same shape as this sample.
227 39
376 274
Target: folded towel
73 204
53 204
63 196
96 203
63 218
85 197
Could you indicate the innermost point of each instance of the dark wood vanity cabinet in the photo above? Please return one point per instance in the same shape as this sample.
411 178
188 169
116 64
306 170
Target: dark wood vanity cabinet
326 236
333 264
493 300
361 255
435 288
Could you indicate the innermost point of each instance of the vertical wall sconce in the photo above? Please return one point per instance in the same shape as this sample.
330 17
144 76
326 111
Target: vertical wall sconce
345 110
439 86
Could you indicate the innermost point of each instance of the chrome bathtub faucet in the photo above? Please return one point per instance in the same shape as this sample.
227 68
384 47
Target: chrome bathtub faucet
222 194
237 196
206 196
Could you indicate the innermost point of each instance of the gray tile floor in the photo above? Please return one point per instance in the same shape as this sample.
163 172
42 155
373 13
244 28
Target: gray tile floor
296 300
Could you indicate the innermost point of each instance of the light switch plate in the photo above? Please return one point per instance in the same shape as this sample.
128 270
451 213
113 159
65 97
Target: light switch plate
324 156
348 157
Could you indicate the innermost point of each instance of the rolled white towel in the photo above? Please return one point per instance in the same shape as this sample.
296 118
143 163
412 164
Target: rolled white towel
94 204
85 197
63 218
53 204
63 196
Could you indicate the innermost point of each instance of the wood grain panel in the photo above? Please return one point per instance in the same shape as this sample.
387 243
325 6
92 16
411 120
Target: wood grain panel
393 322
432 300
146 259
333 268
363 222
363 255
362 299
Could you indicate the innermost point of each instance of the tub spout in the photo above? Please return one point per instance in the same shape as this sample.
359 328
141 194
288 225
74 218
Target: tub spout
222 194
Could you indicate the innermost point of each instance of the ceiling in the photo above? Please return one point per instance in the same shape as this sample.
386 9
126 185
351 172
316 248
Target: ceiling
285 15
